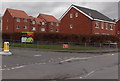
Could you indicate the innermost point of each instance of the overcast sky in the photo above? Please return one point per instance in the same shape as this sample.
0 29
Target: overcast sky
56 9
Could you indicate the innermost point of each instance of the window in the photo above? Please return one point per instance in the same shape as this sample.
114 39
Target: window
25 20
57 24
51 29
102 25
43 23
7 20
33 22
71 15
57 30
111 27
97 33
42 29
51 23
118 32
17 27
105 33
106 26
71 26
97 25
25 27
6 27
76 14
33 28
18 19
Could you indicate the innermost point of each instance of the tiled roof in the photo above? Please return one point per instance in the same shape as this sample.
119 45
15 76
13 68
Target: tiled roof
38 20
49 18
30 17
93 13
18 13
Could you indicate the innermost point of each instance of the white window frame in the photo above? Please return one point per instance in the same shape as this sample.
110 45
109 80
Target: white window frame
6 27
25 27
97 24
106 26
17 27
76 14
71 26
102 25
43 29
7 20
33 28
57 24
97 33
52 23
25 20
51 29
43 23
33 22
118 32
111 26
57 30
71 15
18 19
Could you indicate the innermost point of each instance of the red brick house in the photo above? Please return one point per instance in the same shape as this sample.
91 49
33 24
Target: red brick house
15 21
50 22
118 27
18 21
80 20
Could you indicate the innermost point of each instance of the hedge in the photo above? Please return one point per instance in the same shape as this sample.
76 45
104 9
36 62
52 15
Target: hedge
58 37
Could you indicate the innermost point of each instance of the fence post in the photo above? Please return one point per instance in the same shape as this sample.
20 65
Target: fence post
109 45
116 45
100 45
85 44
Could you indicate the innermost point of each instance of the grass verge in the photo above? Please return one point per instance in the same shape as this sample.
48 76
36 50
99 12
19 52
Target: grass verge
54 47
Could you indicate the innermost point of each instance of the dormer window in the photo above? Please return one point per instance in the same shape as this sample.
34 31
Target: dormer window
18 19
43 23
33 22
51 23
57 24
25 20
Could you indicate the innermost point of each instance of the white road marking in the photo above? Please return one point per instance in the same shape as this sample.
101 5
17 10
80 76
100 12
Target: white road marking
81 77
75 59
89 74
4 66
37 55
12 68
113 54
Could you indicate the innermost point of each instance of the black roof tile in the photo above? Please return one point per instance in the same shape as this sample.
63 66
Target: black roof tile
93 13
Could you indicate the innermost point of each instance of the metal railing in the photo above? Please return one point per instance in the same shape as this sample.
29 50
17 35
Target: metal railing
98 45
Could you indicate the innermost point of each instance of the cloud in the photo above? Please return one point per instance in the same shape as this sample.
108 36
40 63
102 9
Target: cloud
58 8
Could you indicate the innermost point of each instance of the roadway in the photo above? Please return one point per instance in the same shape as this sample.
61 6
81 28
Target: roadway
46 64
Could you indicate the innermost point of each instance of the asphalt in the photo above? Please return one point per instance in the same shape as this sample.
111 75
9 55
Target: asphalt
48 64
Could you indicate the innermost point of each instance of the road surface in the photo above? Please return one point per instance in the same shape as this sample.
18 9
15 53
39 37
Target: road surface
46 64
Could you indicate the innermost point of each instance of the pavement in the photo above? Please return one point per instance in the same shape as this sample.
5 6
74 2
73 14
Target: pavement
27 63
99 50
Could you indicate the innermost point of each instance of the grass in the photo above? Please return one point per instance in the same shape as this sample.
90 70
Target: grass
0 44
55 47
